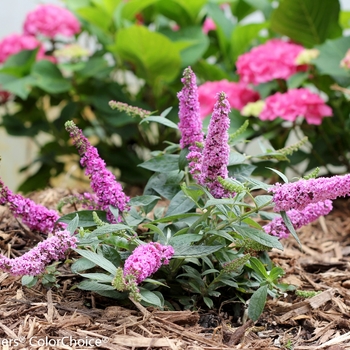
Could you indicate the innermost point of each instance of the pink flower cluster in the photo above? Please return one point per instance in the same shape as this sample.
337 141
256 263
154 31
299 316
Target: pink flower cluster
216 148
102 181
190 124
35 216
147 259
15 43
238 95
298 218
345 62
294 103
50 21
33 262
298 195
273 60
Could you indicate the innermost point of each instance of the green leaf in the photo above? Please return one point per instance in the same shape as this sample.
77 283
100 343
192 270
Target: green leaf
160 120
131 8
150 297
195 43
85 217
263 200
185 239
183 251
73 225
110 228
284 177
94 286
306 21
209 302
49 78
19 87
242 37
154 55
143 200
257 303
258 236
82 264
331 53
162 163
290 226
180 204
296 80
19 64
29 281
98 260
100 277
258 267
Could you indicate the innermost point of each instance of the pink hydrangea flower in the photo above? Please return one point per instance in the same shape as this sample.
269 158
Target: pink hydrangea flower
295 103
208 25
33 262
4 96
273 60
238 95
50 21
299 218
216 148
298 195
145 260
15 43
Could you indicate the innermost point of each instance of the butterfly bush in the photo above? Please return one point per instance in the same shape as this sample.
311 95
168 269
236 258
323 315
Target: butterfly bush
51 21
190 124
298 195
216 150
294 103
34 262
109 192
16 43
238 95
298 218
146 259
273 60
35 216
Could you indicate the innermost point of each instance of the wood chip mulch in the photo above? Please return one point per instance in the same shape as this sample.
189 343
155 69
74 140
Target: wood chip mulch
69 318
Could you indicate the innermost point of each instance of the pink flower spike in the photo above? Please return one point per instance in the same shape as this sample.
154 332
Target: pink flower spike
147 259
298 195
107 189
216 148
35 216
299 218
34 262
16 43
273 60
238 95
50 21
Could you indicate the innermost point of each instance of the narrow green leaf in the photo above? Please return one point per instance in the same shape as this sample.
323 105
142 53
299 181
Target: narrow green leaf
290 226
284 177
257 303
184 251
150 297
160 120
73 225
163 163
258 267
94 286
100 277
85 217
98 260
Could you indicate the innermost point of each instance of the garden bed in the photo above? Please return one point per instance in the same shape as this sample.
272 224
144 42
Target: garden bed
69 318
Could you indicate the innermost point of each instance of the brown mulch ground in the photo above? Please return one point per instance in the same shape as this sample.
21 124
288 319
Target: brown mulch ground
68 318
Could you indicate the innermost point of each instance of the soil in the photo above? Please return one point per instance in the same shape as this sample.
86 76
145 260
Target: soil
69 318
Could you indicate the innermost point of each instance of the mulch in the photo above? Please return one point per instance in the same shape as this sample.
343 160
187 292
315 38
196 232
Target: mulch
68 318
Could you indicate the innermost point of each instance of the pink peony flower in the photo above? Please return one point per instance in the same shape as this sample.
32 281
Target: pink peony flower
208 25
238 95
51 20
15 43
295 103
273 60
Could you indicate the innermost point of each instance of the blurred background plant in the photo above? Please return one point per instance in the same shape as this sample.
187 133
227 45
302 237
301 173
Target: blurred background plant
135 51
